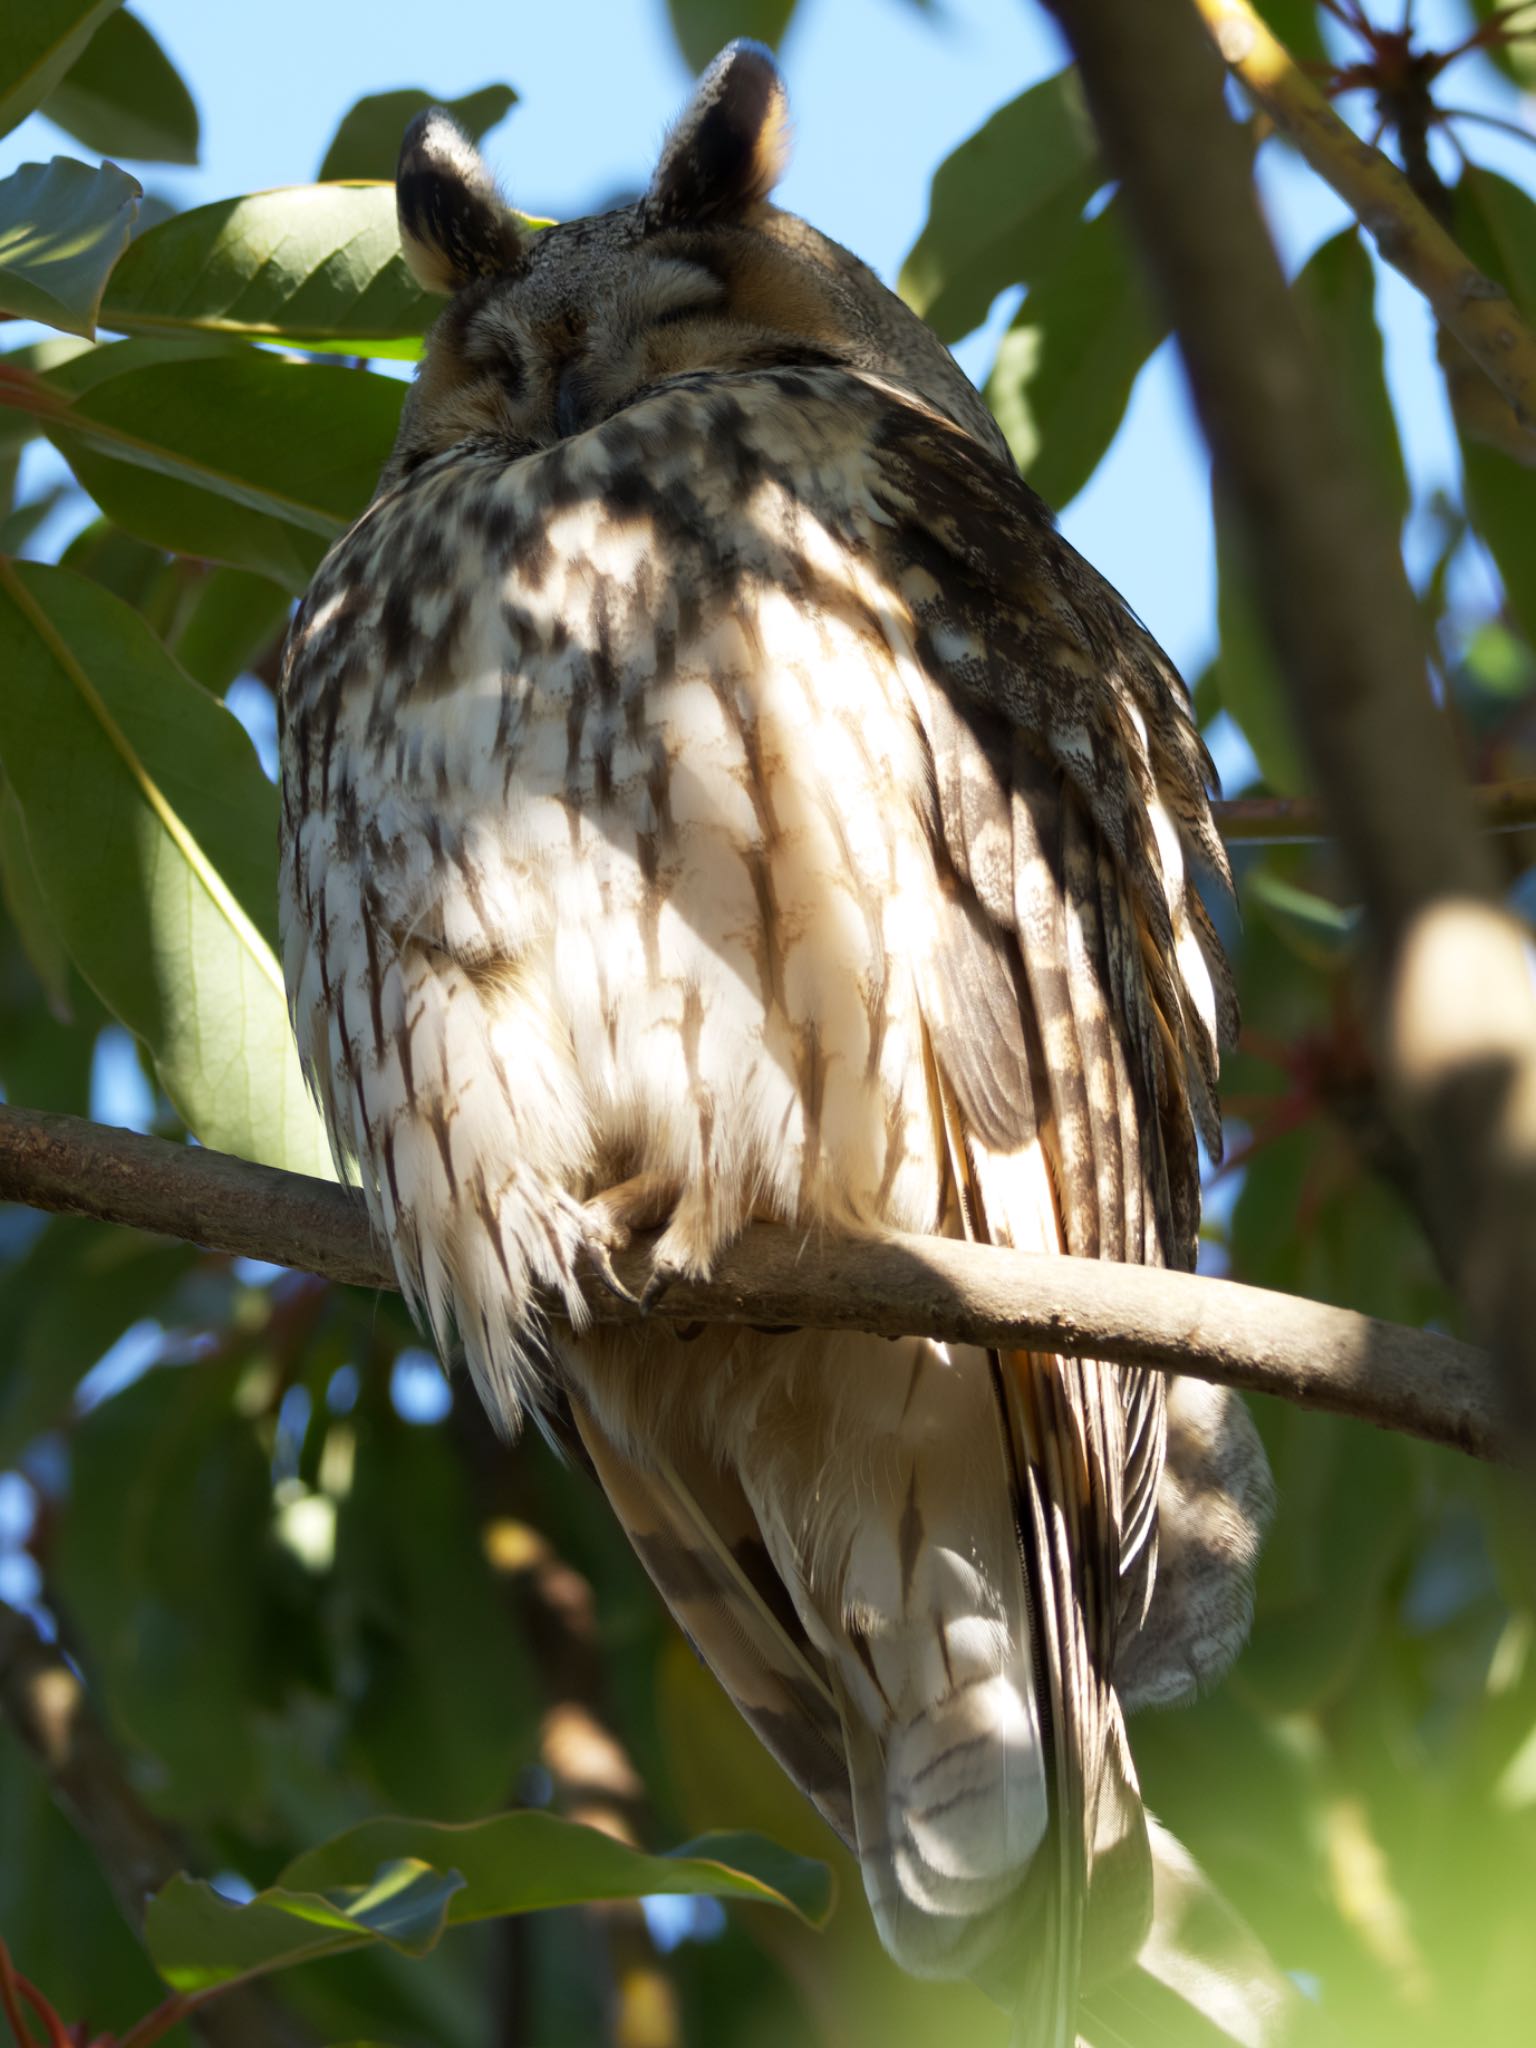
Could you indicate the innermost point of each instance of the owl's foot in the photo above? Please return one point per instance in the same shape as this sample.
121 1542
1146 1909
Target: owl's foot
644 1202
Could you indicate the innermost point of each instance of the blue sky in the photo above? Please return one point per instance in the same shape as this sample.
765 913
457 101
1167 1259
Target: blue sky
880 91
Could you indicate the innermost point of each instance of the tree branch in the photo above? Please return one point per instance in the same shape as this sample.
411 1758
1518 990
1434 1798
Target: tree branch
1329 1358
1452 1000
1292 820
1475 309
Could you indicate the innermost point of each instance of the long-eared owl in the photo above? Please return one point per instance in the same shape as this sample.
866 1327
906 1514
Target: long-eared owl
713 792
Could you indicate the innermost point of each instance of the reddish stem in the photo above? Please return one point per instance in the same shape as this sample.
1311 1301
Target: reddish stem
52 2024
169 2013
8 2004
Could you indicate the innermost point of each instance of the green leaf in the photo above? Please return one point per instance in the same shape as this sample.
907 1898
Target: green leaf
234 457
70 1296
154 833
1003 206
1336 289
199 1939
28 910
122 96
232 619
1295 24
170 1513
1496 225
402 1882
62 227
444 1706
1501 497
523 1862
1064 370
367 144
317 265
1517 57
42 39
702 28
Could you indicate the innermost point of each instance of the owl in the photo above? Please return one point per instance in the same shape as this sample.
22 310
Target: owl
713 791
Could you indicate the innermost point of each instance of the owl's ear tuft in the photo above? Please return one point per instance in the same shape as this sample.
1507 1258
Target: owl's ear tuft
730 147
453 226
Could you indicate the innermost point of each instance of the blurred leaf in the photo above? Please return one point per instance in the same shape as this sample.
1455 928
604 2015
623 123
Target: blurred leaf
1501 496
122 96
165 1562
704 27
1295 24
317 265
444 1702
1336 289
1065 368
1496 224
60 1922
1516 58
153 832
1003 206
367 143
65 1302
234 457
29 911
62 227
42 39
233 617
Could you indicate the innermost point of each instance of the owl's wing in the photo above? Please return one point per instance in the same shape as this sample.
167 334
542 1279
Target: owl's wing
1069 798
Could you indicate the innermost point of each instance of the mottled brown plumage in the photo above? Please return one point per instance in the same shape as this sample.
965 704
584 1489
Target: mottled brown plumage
714 790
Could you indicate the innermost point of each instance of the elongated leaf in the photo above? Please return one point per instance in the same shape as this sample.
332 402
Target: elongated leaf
28 908
199 1939
367 143
318 265
42 39
123 96
520 1862
1064 370
1336 289
1496 225
420 1877
703 27
153 832
232 618
62 227
235 457
1516 57
1003 206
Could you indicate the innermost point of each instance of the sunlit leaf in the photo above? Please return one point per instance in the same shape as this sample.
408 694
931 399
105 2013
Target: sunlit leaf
367 144
704 27
42 39
1003 206
1515 51
122 96
153 832
1064 370
317 265
62 227
522 1862
421 1877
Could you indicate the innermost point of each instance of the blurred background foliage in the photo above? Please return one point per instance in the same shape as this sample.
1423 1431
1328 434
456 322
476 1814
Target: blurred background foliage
301 1581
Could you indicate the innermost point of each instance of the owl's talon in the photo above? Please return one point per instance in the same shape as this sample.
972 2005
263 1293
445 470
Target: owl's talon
662 1276
602 1264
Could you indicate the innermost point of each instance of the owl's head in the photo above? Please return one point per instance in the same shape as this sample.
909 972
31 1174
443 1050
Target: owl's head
549 332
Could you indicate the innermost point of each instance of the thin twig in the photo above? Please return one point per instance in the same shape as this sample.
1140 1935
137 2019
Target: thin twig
44 1703
1453 1008
1299 820
1329 1358
1476 309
